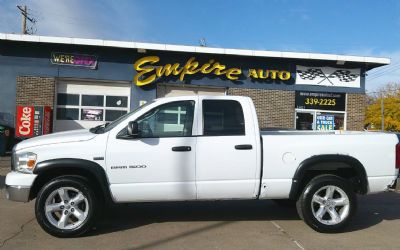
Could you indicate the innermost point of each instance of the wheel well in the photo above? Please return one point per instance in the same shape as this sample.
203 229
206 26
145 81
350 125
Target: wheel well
50 174
355 174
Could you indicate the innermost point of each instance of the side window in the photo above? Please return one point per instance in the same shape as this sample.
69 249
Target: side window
173 119
223 117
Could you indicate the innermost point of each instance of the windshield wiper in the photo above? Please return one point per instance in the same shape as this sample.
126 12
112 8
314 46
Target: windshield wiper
97 129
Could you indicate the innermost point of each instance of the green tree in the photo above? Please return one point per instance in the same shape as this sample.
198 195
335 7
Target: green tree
391 99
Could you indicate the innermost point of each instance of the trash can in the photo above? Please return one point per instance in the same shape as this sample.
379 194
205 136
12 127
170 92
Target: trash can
2 141
5 139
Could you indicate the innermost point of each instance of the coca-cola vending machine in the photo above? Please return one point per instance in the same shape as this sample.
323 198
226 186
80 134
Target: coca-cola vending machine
33 121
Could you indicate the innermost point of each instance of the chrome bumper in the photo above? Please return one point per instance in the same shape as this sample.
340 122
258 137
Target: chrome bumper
18 193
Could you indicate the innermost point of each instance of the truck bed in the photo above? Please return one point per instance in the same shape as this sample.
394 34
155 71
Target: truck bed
285 150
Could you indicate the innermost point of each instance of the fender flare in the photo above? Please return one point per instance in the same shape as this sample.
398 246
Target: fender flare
317 161
76 165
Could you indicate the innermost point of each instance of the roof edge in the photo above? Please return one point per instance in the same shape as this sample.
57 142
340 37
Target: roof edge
194 49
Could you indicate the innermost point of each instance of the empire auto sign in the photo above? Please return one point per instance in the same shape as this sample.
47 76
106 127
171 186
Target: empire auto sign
148 70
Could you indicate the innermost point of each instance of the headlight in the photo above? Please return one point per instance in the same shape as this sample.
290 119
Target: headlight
25 162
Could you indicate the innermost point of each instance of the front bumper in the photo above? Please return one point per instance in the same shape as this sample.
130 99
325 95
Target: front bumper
18 186
18 193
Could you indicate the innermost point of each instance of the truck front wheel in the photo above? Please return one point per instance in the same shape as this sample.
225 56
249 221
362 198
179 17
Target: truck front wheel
327 203
65 206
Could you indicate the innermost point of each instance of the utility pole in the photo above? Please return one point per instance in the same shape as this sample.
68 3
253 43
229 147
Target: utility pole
25 16
24 21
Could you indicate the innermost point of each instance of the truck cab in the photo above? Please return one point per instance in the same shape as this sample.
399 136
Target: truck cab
186 149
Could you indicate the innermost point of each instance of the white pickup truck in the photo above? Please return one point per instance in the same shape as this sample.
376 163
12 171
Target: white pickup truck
199 148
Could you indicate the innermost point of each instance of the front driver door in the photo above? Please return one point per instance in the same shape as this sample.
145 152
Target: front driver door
160 163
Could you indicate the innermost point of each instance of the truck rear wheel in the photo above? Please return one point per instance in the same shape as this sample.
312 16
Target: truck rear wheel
65 207
327 203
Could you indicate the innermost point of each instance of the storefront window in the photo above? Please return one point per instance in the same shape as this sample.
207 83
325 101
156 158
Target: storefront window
90 107
320 111
67 99
330 121
91 114
67 114
319 120
117 101
93 100
112 115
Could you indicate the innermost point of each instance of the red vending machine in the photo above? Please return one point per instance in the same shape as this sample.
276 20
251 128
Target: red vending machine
33 121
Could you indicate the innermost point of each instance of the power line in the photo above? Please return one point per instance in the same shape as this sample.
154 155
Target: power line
385 91
384 69
26 16
383 73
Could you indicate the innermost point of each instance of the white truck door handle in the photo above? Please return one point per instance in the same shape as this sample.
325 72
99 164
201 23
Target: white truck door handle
181 149
244 147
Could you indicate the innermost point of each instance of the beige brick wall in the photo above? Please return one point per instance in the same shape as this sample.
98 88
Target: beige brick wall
356 105
275 108
32 90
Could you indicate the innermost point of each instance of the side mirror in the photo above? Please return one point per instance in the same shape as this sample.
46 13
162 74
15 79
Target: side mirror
133 129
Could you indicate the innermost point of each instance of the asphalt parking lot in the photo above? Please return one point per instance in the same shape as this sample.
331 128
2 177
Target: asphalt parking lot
205 225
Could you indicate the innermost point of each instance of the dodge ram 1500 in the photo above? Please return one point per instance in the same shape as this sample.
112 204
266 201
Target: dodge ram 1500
199 148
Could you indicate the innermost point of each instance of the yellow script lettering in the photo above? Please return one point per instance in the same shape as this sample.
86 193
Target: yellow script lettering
141 71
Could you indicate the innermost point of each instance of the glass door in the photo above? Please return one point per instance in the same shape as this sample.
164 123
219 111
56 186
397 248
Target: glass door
304 120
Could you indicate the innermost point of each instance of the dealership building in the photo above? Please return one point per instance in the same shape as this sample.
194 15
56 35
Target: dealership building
87 82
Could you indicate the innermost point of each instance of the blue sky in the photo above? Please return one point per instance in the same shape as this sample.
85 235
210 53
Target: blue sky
363 27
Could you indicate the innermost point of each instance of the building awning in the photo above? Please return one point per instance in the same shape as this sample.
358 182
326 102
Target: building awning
367 61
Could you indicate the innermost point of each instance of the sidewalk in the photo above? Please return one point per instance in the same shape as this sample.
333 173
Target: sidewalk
5 161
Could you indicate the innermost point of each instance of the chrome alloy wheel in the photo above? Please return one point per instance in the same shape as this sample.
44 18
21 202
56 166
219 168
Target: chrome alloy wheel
330 205
66 208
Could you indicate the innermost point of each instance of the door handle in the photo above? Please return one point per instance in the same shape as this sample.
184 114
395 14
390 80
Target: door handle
181 149
244 147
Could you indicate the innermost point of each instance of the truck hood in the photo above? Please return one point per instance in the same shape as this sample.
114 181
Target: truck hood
60 137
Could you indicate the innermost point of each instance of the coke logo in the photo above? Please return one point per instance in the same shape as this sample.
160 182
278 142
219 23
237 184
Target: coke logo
25 121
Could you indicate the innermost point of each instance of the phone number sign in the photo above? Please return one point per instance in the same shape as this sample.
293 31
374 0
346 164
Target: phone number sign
320 100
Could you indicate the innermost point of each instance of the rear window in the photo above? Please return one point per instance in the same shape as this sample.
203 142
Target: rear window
223 117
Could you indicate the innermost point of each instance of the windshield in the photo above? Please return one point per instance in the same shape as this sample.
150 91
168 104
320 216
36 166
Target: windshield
108 126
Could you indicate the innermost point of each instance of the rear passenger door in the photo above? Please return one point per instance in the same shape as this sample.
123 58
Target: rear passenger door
226 158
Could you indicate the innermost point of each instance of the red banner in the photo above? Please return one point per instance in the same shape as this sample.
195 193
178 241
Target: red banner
24 121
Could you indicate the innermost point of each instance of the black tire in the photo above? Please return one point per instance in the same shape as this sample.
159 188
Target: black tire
75 183
305 204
